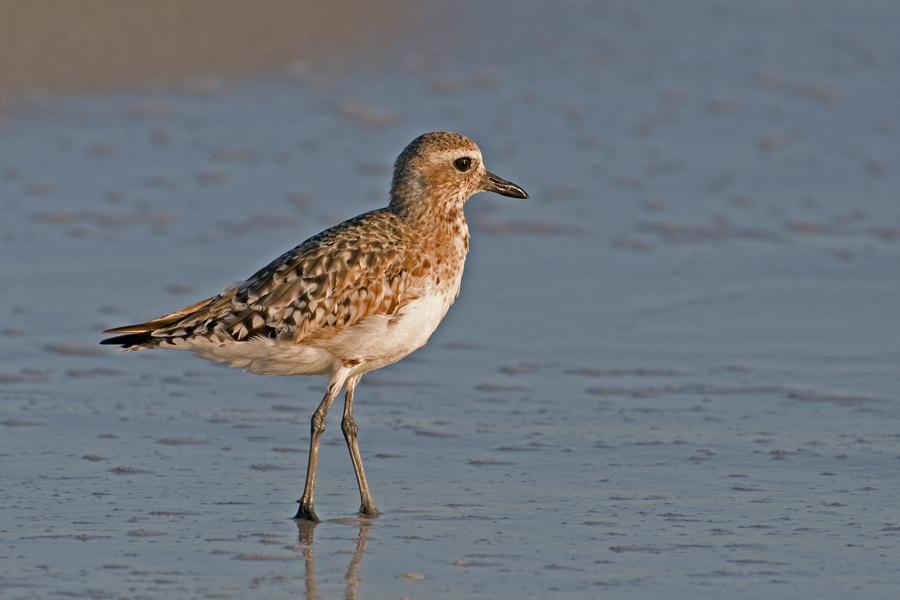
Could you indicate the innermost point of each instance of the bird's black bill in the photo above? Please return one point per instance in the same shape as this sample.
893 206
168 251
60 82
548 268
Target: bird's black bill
492 183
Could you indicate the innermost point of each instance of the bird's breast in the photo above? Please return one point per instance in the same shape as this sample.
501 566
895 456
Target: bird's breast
379 340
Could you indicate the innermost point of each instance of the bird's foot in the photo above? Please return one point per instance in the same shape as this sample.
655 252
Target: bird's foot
306 511
367 509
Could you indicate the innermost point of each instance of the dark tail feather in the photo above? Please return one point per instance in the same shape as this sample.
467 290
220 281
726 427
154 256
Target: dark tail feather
140 334
127 341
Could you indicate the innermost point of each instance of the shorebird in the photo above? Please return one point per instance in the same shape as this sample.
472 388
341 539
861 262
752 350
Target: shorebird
354 298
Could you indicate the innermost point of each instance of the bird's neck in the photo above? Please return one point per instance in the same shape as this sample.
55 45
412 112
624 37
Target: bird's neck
441 223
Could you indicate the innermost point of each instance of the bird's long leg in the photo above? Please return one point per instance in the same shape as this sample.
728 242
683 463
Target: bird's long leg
350 429
317 426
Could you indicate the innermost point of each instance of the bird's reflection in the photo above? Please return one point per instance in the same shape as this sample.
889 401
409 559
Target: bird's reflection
306 531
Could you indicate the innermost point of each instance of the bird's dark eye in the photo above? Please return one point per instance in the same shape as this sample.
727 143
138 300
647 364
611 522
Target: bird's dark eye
463 164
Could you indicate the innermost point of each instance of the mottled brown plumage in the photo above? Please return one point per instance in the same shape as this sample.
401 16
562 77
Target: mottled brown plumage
364 266
351 299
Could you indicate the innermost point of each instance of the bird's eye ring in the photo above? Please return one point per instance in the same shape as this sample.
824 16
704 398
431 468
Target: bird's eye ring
463 164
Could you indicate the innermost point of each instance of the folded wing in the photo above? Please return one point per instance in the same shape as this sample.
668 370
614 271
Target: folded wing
333 279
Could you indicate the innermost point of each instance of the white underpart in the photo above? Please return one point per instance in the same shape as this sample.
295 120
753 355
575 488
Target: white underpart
374 341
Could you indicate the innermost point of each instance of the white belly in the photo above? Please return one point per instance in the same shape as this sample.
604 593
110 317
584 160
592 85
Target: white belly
381 340
368 344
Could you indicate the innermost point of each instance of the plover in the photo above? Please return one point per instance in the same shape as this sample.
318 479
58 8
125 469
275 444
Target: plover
354 298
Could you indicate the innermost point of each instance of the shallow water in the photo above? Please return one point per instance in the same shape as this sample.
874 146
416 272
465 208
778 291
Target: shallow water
673 372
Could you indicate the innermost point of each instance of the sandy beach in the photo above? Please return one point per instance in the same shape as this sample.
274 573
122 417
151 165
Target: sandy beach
673 372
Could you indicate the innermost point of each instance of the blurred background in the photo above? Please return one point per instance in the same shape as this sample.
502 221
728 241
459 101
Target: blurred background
673 372
106 45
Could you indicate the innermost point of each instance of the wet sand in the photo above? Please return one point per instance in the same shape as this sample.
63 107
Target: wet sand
671 373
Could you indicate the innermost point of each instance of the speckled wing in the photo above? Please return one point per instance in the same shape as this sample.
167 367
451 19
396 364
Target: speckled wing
335 278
